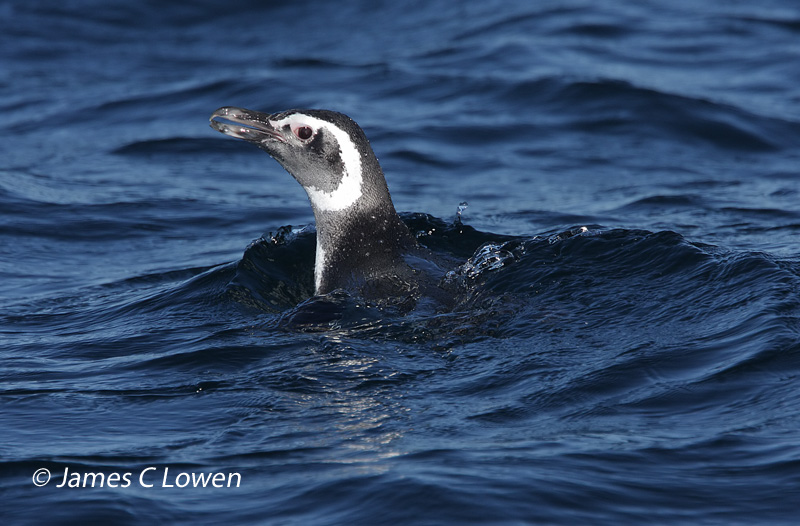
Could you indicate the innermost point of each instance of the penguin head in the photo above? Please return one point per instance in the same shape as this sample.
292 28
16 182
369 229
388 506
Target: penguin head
325 151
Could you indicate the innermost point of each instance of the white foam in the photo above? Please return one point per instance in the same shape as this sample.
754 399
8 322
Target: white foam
349 189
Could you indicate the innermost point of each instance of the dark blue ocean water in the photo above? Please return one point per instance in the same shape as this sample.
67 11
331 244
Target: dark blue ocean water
643 370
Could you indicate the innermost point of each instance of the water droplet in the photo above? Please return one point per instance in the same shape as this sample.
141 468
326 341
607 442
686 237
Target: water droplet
461 207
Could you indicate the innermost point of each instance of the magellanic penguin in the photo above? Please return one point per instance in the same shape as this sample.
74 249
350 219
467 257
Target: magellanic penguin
362 244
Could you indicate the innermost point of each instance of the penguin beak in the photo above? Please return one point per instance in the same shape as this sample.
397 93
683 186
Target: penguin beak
252 126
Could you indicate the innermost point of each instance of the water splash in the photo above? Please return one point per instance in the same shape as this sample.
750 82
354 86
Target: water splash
463 205
489 257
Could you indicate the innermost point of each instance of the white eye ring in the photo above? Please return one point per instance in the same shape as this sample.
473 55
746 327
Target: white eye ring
302 131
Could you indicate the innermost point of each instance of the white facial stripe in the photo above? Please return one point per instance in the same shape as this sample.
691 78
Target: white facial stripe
349 189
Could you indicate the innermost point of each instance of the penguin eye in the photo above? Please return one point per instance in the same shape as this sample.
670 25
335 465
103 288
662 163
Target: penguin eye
303 132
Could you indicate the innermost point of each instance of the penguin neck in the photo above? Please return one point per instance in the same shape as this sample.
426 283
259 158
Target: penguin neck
361 242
